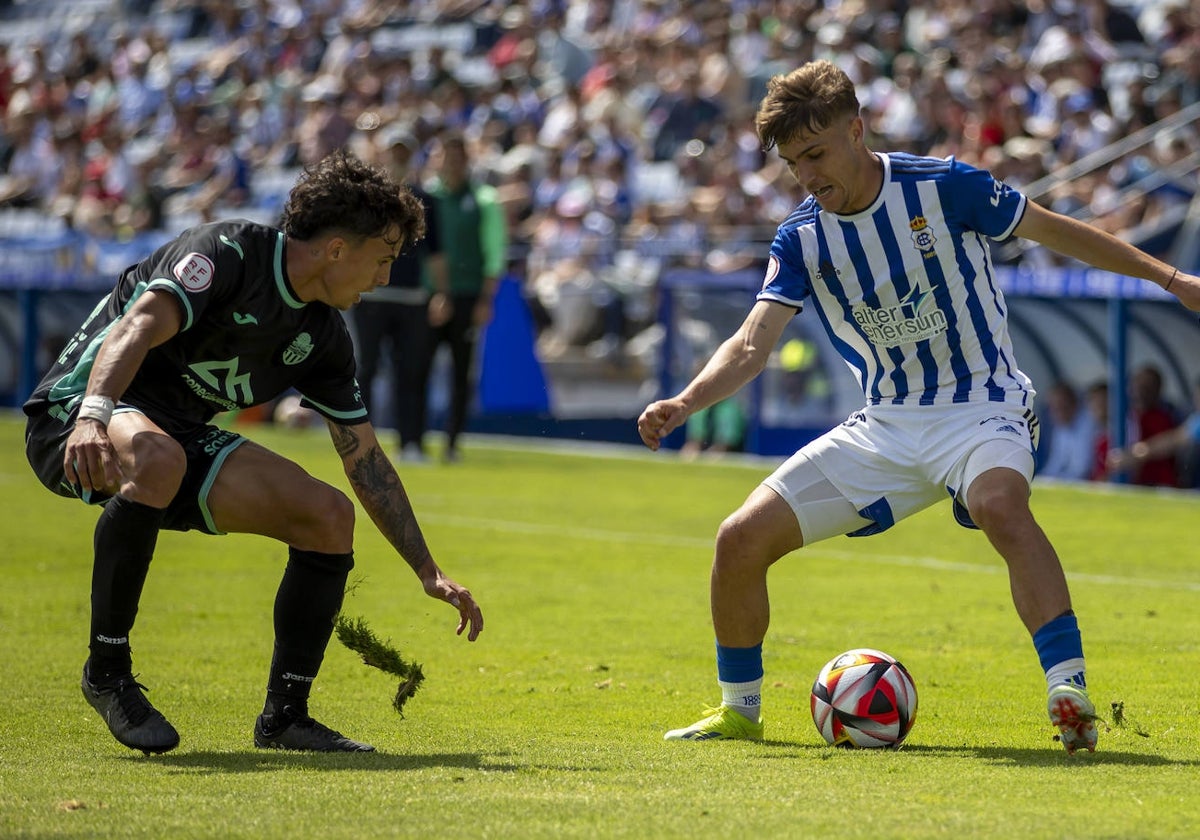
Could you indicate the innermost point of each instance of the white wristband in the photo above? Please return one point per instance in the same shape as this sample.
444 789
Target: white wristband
96 408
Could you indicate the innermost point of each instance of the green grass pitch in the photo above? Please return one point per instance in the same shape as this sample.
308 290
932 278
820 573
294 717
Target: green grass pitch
592 571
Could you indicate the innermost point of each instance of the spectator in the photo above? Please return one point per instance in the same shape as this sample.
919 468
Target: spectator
109 179
395 318
1071 448
1180 442
561 53
323 127
685 114
1097 406
715 430
34 165
1152 416
137 98
470 216
141 209
564 260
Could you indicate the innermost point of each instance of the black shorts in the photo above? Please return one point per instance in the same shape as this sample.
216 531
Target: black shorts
206 448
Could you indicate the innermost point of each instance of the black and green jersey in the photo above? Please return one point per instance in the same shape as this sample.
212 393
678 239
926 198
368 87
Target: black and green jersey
245 340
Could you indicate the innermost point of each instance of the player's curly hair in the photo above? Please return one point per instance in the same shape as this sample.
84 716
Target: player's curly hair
342 193
807 99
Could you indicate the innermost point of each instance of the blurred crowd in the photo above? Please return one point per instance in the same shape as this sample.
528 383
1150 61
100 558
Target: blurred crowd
619 133
1162 439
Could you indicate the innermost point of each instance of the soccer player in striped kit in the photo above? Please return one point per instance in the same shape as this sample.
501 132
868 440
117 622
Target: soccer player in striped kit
891 251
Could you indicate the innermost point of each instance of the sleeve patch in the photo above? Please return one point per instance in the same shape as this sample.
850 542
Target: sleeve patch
194 272
772 270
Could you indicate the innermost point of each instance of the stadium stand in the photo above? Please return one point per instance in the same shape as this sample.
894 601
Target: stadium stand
627 122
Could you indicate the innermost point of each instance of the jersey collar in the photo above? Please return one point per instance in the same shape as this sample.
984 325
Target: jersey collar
281 280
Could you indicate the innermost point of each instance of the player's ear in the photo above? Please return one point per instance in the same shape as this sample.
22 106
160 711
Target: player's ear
335 248
857 129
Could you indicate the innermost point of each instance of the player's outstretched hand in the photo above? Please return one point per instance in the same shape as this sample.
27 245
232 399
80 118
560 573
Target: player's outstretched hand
659 420
459 597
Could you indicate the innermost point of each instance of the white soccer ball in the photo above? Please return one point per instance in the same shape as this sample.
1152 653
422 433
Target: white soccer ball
864 698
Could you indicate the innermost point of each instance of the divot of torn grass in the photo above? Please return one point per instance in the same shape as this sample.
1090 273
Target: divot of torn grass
356 635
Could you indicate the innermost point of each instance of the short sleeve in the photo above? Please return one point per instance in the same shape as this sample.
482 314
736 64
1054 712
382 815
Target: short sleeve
198 267
787 279
984 203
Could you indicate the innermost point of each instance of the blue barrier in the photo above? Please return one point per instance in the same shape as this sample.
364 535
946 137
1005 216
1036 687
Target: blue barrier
33 266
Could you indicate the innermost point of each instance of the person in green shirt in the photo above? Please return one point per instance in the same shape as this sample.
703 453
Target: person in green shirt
475 240
716 429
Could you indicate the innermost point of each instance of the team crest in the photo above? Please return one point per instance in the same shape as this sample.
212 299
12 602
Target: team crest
194 272
298 350
922 236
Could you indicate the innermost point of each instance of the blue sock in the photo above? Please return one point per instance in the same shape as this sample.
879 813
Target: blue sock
740 676
1060 650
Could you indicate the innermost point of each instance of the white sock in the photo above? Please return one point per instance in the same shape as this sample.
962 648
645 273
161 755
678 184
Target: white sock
744 698
1068 672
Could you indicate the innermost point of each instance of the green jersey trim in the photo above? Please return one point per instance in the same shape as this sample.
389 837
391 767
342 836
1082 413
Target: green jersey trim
280 284
357 414
210 479
189 315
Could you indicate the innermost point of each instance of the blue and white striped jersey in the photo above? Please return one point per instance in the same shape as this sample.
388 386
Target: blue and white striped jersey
906 288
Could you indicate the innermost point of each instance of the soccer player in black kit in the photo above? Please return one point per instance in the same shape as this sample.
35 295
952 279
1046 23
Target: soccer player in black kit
227 316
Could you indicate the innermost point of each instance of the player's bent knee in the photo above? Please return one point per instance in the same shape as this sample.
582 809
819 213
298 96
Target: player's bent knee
154 472
326 523
998 508
335 512
740 547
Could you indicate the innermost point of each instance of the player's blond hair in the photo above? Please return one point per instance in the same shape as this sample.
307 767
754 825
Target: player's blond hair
808 99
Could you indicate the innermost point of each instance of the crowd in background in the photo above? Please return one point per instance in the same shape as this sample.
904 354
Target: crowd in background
608 125
618 133
1162 439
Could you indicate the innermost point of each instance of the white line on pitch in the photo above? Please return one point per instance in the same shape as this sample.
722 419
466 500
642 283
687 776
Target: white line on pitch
604 535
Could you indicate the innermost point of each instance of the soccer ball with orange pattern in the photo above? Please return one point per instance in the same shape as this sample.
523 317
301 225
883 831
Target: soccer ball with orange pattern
864 698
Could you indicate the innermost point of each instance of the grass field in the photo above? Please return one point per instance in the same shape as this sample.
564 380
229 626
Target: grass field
592 573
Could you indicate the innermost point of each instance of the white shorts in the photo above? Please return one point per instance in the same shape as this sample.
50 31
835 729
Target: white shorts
888 462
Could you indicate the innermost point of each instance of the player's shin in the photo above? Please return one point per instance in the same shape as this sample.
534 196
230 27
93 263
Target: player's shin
306 605
124 542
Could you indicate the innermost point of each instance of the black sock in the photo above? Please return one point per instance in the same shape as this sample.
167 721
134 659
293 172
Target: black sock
306 605
125 537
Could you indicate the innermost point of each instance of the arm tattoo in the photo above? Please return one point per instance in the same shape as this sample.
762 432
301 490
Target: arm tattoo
379 489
